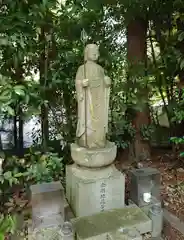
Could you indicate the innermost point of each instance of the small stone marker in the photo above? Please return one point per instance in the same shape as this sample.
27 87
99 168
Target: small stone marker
47 203
144 186
97 226
47 211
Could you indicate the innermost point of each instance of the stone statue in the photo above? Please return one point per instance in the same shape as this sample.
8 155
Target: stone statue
93 90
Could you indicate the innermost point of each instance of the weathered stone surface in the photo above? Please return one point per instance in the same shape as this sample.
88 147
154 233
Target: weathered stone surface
173 226
144 181
45 234
91 191
47 200
147 208
156 215
49 221
125 234
51 233
103 236
93 90
111 221
68 211
94 157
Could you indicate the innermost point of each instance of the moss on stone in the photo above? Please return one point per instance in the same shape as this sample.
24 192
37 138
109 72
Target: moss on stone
108 221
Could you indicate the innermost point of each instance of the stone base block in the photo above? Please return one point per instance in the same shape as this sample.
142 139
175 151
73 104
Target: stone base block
54 233
91 191
45 233
103 236
130 234
94 157
117 220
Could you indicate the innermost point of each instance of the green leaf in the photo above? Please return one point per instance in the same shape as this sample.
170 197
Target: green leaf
19 90
181 37
18 175
10 111
45 2
94 4
8 175
182 64
2 237
182 154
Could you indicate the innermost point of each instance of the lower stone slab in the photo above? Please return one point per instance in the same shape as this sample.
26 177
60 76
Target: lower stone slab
45 233
90 191
129 234
116 236
92 227
48 234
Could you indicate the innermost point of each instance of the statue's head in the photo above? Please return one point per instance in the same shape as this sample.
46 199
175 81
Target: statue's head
91 52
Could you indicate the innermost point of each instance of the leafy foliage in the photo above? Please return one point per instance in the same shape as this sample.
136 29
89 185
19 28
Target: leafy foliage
7 225
41 51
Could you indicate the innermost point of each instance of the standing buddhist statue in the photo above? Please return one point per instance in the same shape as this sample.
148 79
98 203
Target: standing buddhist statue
93 90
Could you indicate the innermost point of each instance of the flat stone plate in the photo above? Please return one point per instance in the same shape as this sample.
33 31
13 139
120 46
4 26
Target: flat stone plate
112 220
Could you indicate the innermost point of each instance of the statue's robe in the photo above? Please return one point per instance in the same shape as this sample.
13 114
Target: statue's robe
93 104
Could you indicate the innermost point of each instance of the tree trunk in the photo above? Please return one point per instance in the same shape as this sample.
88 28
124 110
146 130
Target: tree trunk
43 83
15 132
136 54
20 134
20 139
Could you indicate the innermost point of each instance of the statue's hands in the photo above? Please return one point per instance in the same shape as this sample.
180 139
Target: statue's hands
85 82
107 81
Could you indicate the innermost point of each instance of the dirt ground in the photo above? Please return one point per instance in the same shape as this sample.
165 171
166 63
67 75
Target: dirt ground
172 183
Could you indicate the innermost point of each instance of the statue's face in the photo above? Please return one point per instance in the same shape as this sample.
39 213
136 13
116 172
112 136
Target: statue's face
93 53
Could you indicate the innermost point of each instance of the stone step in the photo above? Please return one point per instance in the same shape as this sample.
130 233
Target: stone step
95 226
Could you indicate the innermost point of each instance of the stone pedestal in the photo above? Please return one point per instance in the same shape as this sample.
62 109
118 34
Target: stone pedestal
113 223
94 158
93 190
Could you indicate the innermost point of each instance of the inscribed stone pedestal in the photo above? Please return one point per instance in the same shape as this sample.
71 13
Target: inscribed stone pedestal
144 181
91 191
92 227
